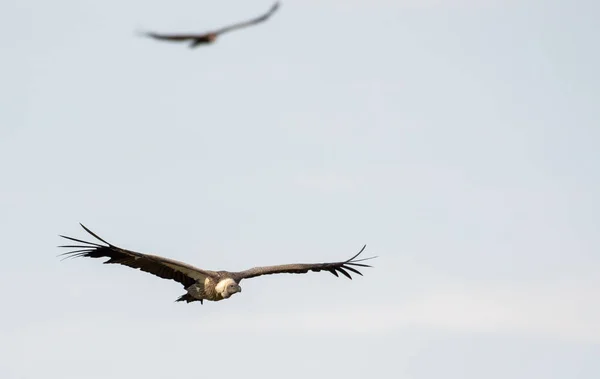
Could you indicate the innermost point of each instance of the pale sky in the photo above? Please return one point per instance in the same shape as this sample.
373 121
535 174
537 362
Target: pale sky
458 139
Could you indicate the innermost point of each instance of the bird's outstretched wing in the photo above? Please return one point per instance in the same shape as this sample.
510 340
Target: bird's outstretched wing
253 21
205 38
351 265
178 37
153 264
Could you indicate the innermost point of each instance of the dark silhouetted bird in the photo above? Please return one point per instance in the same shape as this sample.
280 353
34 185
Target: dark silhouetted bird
207 38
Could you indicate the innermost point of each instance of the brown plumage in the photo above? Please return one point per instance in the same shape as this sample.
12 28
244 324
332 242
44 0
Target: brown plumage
210 37
200 284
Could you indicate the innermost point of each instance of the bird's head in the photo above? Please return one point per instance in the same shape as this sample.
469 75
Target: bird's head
228 287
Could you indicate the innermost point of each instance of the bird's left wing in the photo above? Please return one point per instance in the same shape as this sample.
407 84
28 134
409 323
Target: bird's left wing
343 267
244 24
160 266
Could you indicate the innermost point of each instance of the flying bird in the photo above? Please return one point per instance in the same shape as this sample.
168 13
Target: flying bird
200 284
210 37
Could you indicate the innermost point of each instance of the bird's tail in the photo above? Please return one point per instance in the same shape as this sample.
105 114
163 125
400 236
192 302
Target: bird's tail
188 298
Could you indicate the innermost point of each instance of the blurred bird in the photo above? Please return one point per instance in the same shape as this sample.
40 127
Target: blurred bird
210 37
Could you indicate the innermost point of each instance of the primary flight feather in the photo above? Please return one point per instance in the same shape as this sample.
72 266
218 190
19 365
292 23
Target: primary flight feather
209 37
201 284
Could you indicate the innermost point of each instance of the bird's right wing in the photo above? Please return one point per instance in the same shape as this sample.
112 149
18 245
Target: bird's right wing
162 267
171 37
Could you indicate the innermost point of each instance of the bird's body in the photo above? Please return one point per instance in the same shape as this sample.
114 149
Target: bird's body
201 284
213 289
210 37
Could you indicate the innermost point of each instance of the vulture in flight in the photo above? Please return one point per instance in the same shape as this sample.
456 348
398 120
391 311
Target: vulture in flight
210 37
201 284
